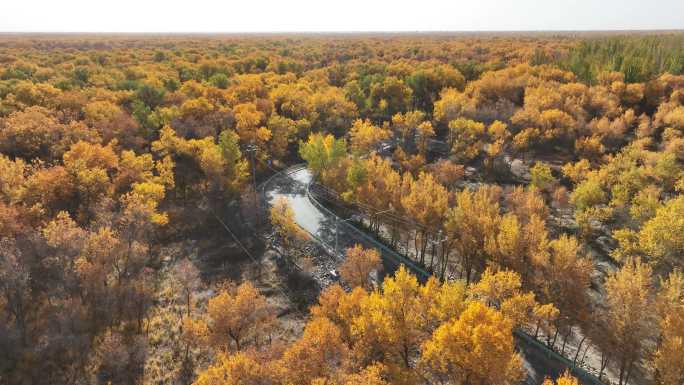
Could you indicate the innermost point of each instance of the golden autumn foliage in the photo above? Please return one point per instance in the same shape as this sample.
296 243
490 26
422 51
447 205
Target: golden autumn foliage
236 369
544 170
358 266
565 379
629 296
365 137
283 220
397 334
669 358
476 348
236 315
318 353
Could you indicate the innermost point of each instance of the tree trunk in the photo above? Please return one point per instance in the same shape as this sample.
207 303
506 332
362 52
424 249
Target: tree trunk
432 257
415 247
629 372
579 349
622 370
236 338
555 337
468 270
565 341
445 264
584 355
392 237
604 362
423 247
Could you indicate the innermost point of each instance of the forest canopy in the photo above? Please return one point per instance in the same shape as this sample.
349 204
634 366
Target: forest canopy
535 178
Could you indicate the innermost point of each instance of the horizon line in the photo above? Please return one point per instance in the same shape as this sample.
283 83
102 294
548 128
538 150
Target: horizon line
616 30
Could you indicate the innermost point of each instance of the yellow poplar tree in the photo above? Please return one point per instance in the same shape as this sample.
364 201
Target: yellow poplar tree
477 348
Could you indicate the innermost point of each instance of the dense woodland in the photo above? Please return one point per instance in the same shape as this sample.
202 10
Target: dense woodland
538 177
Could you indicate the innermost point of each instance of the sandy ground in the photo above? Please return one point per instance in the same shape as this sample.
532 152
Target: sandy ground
218 260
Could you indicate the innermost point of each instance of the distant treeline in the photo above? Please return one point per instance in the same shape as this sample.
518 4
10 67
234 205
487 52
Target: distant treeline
640 58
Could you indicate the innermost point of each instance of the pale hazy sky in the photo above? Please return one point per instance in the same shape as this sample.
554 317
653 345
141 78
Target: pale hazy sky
336 15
